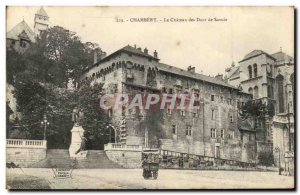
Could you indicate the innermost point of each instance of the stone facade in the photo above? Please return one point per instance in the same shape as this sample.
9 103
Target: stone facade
270 79
210 131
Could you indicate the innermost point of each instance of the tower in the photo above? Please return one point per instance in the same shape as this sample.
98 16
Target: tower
41 21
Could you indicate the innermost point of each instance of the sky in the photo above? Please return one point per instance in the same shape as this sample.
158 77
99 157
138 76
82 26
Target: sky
209 46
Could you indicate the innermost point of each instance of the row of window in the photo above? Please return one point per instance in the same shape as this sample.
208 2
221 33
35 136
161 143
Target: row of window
213 132
188 131
182 113
213 116
254 92
188 82
254 71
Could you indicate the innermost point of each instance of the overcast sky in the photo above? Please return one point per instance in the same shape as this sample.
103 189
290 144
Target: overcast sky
209 46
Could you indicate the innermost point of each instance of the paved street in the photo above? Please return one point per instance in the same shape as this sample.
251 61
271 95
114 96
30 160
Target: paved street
167 179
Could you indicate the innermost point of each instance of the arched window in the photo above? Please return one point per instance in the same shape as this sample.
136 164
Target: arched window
250 71
255 95
280 92
270 91
250 90
255 70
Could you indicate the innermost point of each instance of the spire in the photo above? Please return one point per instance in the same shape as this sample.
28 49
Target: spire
42 12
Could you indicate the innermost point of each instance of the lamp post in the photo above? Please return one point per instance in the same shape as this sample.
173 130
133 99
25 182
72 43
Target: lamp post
46 123
277 149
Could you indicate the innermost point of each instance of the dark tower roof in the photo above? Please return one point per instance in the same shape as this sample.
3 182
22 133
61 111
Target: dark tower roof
42 12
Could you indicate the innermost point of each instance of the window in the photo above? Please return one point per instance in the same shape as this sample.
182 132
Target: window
270 91
182 113
255 70
23 44
195 114
213 133
174 129
222 99
222 133
164 90
280 91
212 97
170 91
231 135
231 118
250 91
188 130
255 95
212 114
250 71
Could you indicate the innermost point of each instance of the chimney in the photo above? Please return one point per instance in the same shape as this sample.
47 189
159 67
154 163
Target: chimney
155 54
103 55
146 51
140 49
219 77
134 46
96 55
191 69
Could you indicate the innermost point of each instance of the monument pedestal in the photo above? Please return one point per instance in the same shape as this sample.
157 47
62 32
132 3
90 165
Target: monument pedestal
76 139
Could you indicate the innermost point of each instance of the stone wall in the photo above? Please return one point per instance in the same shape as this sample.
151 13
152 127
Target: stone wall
25 152
125 155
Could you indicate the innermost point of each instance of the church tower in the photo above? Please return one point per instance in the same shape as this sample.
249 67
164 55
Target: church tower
41 21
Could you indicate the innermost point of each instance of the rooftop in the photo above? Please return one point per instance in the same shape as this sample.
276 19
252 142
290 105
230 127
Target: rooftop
255 53
280 56
197 76
18 30
42 12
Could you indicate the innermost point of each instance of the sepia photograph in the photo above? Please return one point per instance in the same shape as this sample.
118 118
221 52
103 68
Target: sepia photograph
150 98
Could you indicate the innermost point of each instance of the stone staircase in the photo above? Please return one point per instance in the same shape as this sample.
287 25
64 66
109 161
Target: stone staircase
57 158
97 159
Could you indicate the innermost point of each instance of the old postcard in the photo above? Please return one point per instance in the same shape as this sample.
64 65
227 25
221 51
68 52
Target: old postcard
150 98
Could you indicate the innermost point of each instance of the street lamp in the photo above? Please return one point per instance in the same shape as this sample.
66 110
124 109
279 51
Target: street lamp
277 149
46 123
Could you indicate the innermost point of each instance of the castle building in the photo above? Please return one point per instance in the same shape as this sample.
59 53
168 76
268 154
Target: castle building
270 79
215 130
21 36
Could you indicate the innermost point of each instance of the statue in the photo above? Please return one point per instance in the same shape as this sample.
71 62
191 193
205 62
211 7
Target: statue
77 116
78 141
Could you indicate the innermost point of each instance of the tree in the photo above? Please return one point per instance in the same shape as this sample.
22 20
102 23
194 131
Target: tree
40 77
70 55
35 100
95 119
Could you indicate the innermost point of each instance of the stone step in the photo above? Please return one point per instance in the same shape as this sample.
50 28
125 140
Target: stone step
61 159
